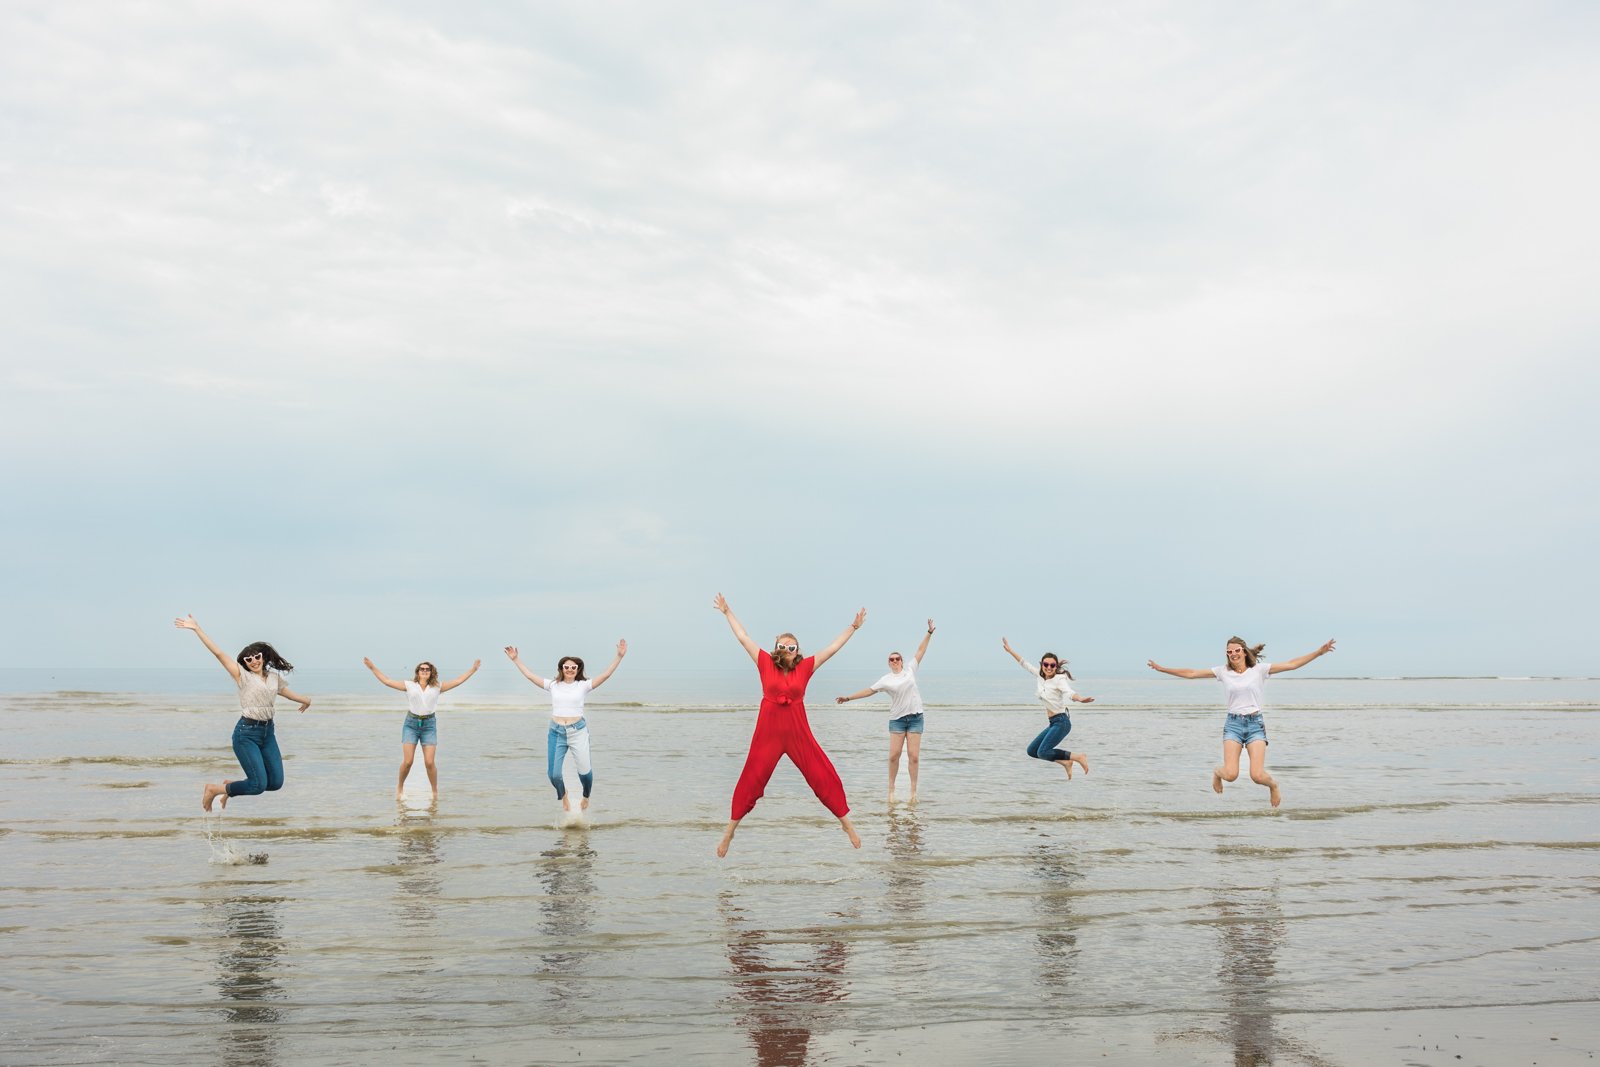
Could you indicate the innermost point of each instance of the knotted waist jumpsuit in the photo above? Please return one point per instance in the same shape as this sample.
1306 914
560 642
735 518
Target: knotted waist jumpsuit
783 730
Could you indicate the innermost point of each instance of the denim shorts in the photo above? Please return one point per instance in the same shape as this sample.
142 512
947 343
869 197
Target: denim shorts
910 724
1244 729
419 730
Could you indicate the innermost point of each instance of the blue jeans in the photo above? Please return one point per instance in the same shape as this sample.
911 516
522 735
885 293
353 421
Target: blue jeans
909 724
573 737
1044 746
255 743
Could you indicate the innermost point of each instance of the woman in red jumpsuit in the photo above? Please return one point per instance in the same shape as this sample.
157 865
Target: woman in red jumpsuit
781 727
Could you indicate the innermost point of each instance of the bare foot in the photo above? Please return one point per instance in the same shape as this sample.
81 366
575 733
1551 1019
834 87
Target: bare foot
727 839
566 803
1066 765
214 792
855 838
1082 760
1275 796
585 804
399 794
912 799
1216 782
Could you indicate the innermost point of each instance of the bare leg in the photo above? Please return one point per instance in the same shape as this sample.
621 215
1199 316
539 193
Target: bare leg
214 792
727 837
585 804
408 755
1258 772
896 742
431 767
1229 770
913 754
850 831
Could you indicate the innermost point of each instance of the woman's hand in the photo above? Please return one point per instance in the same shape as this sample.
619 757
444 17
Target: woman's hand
186 623
861 617
840 700
304 704
720 603
930 626
511 653
622 649
367 662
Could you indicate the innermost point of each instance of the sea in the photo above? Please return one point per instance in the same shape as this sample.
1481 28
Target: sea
1428 892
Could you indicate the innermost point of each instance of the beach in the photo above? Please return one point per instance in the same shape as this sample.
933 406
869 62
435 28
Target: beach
1428 893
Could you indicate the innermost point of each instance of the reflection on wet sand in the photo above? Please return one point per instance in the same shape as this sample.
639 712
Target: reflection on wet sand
907 894
566 874
781 1000
417 891
1057 941
247 977
1250 927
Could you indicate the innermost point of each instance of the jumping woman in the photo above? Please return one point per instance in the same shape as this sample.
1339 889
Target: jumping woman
1053 689
905 710
782 728
1243 679
255 740
421 728
569 730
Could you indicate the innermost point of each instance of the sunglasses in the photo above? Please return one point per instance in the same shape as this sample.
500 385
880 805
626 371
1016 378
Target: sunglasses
255 655
1048 666
787 648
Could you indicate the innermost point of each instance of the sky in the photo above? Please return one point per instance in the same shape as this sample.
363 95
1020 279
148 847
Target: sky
417 330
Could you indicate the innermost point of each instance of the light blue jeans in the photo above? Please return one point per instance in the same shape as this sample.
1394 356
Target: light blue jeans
574 738
255 743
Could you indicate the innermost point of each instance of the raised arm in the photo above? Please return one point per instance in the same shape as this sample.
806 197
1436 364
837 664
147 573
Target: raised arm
721 604
511 651
622 650
1301 661
853 696
1024 664
385 679
922 649
1178 672
447 686
838 642
188 623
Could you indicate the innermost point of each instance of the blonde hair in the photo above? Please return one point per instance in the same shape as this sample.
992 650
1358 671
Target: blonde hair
433 674
776 662
1250 651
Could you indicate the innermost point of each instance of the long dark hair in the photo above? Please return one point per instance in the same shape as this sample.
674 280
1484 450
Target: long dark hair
269 657
574 659
1061 666
1250 651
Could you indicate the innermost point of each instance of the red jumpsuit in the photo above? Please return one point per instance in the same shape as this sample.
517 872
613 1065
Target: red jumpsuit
782 730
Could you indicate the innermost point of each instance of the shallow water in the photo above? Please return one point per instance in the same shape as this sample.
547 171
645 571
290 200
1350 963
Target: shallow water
1429 889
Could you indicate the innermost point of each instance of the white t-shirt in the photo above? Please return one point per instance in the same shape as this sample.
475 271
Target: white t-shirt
1244 687
422 701
1053 692
904 699
566 698
256 694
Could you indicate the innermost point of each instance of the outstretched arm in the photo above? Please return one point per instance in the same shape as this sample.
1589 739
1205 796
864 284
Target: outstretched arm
511 651
1178 672
622 650
1024 664
447 686
304 702
721 604
922 649
385 679
1300 661
838 642
188 623
853 696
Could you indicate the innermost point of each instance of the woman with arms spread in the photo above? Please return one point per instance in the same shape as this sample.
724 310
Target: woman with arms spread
569 729
1243 679
782 728
255 739
1053 690
422 694
905 710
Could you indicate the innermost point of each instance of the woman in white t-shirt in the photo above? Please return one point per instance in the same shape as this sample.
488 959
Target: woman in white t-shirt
422 700
569 730
1244 679
1053 689
905 710
258 671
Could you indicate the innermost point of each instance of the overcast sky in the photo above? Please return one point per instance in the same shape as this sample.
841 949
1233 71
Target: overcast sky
1115 329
